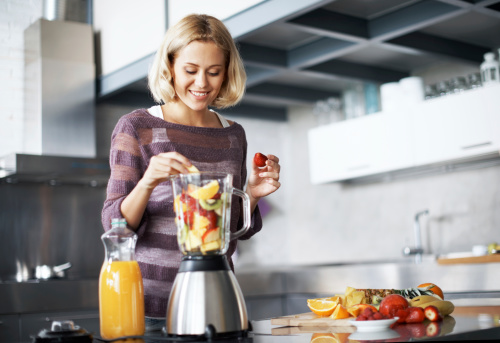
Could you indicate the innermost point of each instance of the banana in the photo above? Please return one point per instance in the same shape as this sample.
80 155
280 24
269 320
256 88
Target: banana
445 307
423 299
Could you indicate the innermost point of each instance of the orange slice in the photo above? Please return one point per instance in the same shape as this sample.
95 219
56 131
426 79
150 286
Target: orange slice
340 312
204 193
323 306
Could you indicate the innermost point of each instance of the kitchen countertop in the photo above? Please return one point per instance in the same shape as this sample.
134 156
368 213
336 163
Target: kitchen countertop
459 327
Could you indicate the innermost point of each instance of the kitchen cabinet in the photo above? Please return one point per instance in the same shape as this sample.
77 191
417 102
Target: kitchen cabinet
457 126
449 129
9 328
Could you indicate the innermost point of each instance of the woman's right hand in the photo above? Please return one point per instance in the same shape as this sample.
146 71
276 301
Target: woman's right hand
162 166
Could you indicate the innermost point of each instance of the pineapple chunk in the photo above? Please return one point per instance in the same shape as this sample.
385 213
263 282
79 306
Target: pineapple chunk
349 290
355 298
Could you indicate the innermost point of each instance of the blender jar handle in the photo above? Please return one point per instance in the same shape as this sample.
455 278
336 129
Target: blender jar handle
246 213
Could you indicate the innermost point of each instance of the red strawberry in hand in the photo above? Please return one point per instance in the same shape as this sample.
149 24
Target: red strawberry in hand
260 160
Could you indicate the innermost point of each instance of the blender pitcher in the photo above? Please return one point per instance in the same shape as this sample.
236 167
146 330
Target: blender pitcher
205 298
202 204
121 292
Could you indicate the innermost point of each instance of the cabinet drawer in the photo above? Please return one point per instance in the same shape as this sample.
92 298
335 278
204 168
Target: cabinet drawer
9 328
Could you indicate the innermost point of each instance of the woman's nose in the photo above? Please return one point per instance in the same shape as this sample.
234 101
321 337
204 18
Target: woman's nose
201 80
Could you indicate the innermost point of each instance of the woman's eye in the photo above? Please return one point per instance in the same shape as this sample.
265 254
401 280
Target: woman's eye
191 72
214 73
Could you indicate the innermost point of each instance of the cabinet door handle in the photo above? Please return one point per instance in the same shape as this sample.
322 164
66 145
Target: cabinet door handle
363 166
473 146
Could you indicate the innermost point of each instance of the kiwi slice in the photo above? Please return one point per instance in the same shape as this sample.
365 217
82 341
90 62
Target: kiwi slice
210 204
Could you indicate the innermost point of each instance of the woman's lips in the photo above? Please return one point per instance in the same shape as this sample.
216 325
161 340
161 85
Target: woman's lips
199 94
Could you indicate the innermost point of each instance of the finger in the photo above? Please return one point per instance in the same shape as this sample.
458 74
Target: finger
273 166
174 155
273 158
168 165
270 175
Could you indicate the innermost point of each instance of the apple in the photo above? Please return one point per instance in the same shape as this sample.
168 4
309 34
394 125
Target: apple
211 235
392 303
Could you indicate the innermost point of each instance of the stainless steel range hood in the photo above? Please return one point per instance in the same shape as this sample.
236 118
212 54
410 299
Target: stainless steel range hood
54 170
59 113
59 140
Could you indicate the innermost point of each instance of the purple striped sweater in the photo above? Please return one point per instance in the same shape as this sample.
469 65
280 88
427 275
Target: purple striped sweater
136 138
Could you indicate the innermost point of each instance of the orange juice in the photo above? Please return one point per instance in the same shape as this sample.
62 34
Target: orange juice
121 299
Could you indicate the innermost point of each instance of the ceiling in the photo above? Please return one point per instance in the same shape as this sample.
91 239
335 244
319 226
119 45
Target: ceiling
297 52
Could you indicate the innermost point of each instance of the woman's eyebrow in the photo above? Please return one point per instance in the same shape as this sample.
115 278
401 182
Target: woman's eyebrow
196 65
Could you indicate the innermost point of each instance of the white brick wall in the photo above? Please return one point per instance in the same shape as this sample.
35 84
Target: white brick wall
15 17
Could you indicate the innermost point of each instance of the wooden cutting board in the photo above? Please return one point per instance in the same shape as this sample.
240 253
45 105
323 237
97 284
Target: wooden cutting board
309 319
296 330
471 259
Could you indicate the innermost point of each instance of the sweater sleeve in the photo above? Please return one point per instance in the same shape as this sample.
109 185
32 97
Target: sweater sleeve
256 219
127 167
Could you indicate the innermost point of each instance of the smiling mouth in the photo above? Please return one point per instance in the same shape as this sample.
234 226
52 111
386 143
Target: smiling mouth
199 93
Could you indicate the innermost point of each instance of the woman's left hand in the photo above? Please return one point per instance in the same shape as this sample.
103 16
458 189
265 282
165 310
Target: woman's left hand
264 181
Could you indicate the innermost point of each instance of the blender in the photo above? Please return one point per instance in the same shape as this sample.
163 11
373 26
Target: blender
206 298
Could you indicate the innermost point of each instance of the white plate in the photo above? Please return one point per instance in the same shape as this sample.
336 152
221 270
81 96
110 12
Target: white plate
373 325
374 335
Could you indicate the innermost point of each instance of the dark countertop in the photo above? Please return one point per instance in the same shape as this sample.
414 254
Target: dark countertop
453 328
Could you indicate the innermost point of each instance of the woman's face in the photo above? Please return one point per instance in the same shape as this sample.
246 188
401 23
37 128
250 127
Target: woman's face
199 71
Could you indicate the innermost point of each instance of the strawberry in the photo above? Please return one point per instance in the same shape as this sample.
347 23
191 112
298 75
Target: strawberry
212 217
417 330
432 313
260 160
415 315
432 329
402 314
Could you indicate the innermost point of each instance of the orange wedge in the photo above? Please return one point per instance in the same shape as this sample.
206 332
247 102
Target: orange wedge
340 312
204 193
323 306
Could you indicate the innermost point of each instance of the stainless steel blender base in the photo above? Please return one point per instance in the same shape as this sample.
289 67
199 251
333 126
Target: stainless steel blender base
200 298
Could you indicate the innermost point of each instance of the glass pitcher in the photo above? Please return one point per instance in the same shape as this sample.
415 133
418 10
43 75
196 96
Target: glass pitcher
202 205
121 292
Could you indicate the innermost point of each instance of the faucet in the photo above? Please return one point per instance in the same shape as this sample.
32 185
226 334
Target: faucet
417 251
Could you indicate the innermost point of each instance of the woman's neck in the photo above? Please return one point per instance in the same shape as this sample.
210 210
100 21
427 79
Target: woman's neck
178 113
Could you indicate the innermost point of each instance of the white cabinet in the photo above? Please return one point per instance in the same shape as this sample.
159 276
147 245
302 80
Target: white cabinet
457 126
445 129
369 145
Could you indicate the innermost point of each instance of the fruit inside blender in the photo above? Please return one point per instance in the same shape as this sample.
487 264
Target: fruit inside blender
199 218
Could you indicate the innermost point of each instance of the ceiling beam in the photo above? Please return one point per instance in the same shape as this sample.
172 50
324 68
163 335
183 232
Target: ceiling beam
290 93
256 112
411 18
263 56
441 46
319 51
358 71
267 13
332 24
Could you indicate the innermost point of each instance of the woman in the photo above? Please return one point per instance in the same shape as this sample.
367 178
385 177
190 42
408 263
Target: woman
196 66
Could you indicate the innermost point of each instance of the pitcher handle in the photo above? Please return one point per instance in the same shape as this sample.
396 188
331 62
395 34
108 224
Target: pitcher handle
246 213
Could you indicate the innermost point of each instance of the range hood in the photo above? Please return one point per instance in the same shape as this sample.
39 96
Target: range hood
59 140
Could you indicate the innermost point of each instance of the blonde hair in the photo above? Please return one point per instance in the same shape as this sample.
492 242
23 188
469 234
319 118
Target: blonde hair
205 28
